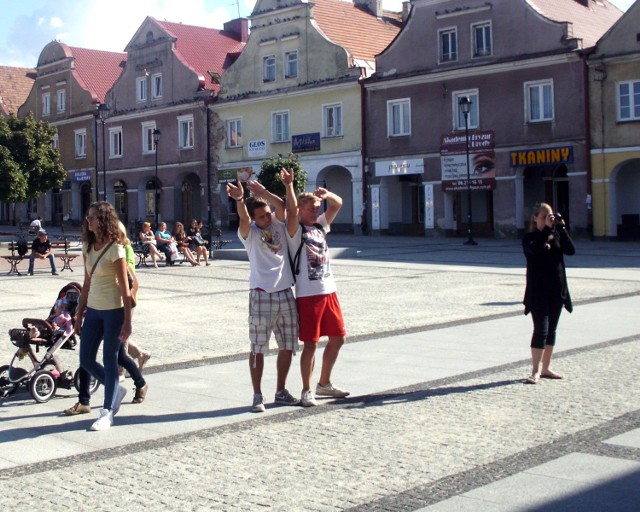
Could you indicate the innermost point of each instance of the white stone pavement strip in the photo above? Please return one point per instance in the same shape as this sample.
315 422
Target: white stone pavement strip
333 457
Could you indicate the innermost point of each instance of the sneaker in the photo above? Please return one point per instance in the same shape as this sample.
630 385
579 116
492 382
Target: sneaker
54 273
142 359
141 394
307 399
120 392
104 421
78 409
331 390
258 403
286 398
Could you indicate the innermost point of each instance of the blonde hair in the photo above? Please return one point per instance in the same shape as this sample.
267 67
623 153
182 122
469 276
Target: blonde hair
123 238
146 225
307 197
538 207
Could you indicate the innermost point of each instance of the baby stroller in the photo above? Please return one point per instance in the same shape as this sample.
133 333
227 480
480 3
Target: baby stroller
43 378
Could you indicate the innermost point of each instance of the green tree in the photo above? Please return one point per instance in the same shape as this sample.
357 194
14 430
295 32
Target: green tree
29 164
270 174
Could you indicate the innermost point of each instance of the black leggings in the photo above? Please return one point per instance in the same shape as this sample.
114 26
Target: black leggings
545 322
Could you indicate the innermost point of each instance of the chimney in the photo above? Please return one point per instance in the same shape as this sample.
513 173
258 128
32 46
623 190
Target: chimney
406 10
239 28
373 6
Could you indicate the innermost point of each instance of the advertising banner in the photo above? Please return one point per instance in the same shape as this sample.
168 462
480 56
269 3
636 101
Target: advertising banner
257 148
453 161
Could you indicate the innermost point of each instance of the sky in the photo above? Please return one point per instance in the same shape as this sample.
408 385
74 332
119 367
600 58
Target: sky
27 26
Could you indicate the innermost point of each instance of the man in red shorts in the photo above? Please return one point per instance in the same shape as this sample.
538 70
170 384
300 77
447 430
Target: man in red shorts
318 307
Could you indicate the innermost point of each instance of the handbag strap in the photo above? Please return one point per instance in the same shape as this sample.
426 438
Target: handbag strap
95 264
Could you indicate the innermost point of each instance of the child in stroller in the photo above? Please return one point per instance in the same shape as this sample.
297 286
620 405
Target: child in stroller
47 373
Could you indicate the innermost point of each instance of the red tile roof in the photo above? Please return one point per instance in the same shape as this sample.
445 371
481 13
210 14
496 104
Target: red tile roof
97 70
15 86
356 29
588 23
204 49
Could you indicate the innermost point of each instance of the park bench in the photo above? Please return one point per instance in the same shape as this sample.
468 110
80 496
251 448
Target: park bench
56 245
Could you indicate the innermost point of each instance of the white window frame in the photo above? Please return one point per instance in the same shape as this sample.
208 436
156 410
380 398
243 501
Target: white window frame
115 142
141 89
61 100
185 132
46 103
474 111
291 64
487 39
234 126
80 143
280 135
269 68
148 147
452 33
538 87
156 86
633 100
402 107
332 125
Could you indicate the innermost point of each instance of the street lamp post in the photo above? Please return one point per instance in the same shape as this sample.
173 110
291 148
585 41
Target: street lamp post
465 105
103 112
156 138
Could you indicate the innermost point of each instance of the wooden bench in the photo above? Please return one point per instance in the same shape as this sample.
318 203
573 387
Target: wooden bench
217 242
142 253
66 258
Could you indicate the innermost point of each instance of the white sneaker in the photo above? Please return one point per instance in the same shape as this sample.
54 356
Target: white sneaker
258 403
331 390
307 399
104 421
120 393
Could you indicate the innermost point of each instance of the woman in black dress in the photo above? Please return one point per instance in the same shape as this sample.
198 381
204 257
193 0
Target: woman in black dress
547 292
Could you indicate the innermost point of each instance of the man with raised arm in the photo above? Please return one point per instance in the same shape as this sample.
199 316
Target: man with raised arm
318 307
272 306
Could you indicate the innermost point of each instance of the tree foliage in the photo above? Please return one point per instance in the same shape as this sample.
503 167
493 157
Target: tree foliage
29 164
270 174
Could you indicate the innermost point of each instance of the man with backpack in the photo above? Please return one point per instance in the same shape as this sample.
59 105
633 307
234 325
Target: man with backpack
318 307
272 306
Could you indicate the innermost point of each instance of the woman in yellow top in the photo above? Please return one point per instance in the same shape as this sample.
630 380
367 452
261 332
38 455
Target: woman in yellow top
105 303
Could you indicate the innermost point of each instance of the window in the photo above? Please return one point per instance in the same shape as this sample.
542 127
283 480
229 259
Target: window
539 101
481 39
185 132
399 117
629 101
141 88
115 142
291 64
280 126
81 143
120 198
332 120
234 133
61 104
473 109
147 138
156 86
269 68
46 104
448 45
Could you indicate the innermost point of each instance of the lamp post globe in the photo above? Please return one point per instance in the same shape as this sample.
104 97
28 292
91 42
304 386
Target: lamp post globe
465 106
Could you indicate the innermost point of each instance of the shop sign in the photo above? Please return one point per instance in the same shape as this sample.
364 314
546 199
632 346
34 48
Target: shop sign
453 161
399 167
257 148
305 142
542 156
235 174
82 176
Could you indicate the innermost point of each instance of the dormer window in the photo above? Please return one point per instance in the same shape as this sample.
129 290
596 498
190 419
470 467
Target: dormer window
269 68
291 64
156 86
481 33
448 44
141 89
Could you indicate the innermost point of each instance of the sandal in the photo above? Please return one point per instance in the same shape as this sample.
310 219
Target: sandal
532 379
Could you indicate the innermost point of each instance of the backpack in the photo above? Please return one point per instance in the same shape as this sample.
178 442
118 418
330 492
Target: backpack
22 248
295 263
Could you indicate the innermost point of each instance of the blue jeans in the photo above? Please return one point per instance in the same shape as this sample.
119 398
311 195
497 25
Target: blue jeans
52 260
99 324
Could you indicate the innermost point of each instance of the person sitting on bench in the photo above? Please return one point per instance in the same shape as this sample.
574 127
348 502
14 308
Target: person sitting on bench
41 248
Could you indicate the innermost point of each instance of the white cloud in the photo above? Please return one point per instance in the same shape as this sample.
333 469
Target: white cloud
55 22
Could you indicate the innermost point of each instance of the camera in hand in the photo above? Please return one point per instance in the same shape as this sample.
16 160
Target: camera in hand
558 217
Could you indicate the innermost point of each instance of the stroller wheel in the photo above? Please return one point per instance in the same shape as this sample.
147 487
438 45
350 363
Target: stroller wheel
93 384
42 386
6 386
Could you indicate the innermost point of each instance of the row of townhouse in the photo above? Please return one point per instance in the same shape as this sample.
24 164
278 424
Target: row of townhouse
370 101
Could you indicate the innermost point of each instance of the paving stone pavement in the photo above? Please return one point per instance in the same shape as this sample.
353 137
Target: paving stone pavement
438 411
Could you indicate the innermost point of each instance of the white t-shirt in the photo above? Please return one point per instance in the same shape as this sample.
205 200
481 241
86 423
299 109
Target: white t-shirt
268 257
315 277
